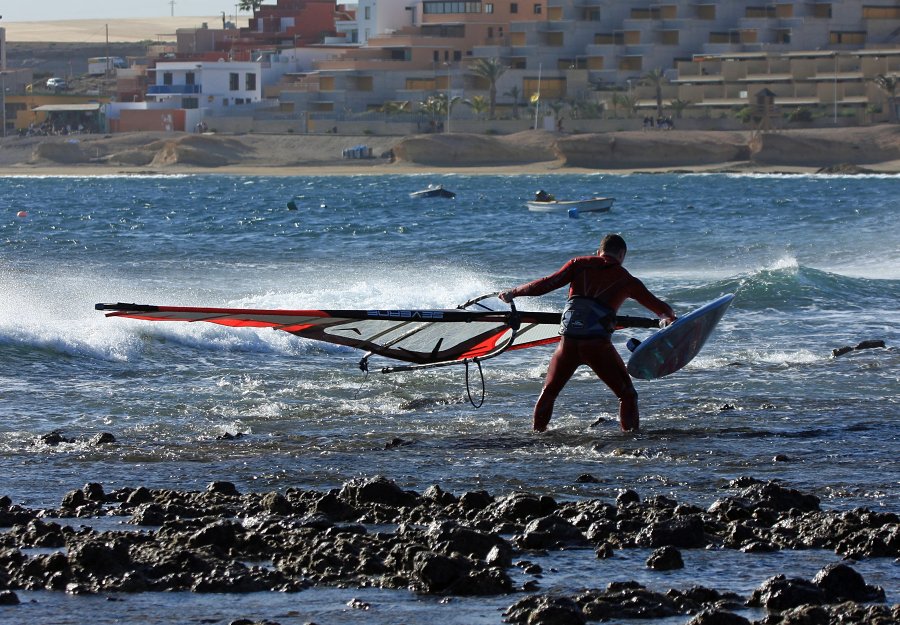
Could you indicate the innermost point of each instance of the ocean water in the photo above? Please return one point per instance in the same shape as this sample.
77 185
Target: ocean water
814 262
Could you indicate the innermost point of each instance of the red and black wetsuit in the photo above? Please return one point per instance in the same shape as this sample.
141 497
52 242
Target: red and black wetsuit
603 279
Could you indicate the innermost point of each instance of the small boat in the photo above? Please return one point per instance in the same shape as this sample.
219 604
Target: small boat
434 191
591 205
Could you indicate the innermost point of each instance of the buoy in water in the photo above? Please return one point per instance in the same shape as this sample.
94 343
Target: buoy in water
22 214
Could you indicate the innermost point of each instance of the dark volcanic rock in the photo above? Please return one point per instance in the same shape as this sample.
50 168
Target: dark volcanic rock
665 559
840 583
780 593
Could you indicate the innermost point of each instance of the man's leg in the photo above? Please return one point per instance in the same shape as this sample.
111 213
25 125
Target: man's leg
603 358
563 364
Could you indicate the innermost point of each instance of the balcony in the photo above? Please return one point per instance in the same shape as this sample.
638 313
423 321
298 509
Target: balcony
172 89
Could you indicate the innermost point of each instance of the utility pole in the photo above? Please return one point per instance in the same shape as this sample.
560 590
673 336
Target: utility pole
172 6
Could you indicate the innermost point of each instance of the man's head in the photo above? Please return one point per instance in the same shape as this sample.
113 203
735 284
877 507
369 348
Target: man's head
613 245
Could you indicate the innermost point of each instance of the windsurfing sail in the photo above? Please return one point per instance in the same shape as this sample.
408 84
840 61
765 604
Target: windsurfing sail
425 338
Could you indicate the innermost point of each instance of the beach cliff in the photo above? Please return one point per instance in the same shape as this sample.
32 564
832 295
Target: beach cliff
871 148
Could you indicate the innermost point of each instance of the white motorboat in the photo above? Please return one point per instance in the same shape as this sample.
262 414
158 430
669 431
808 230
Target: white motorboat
592 205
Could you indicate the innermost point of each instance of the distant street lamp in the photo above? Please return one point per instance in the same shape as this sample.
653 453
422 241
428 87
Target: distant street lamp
835 86
449 96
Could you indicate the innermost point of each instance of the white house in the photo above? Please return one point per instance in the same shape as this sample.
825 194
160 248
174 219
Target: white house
216 85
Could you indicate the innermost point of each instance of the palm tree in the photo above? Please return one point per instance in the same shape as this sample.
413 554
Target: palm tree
888 84
515 94
627 102
557 108
393 107
490 70
655 78
679 105
249 5
479 104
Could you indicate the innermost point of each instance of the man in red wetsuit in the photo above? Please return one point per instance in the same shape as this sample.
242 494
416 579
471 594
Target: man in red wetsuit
597 287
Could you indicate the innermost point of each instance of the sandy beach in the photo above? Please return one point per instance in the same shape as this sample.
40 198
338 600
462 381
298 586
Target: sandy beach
845 150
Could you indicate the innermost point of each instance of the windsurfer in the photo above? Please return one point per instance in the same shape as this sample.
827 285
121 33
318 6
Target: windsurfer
598 285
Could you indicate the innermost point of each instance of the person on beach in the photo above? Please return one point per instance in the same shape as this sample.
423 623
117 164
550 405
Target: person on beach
598 285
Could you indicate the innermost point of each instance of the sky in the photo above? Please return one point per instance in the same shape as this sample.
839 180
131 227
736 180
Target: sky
45 10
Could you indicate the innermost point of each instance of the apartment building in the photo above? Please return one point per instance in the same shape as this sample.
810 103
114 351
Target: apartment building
573 49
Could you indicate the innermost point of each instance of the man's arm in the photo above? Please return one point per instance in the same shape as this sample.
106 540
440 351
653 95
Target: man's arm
642 295
540 286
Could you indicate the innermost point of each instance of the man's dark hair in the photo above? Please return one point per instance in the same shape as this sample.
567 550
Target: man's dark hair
613 243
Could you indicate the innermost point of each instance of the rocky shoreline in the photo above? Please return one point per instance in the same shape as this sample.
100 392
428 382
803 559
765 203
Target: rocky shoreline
445 545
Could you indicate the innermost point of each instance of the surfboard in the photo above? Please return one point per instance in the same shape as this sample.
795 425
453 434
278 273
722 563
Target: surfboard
674 346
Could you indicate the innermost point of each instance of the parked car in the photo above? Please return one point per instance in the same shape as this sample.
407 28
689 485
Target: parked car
57 84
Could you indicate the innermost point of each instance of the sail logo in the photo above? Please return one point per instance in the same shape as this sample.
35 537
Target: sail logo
407 314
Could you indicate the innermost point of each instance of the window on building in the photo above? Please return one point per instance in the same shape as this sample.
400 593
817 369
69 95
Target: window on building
250 82
537 9
488 7
490 32
706 11
367 13
190 79
821 9
881 13
513 7
234 81
436 56
854 37
167 78
440 7
190 103
784 10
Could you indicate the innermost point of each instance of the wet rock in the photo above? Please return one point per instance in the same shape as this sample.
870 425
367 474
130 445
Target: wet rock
395 443
436 573
8 597
103 438
773 495
149 514
438 495
275 503
718 617
450 537
780 593
665 559
605 551
37 533
54 438
840 582
376 490
138 496
475 500
840 351
628 600
549 531
685 532
627 497
334 508
587 478
545 610
223 488
228 436
99 558
522 507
